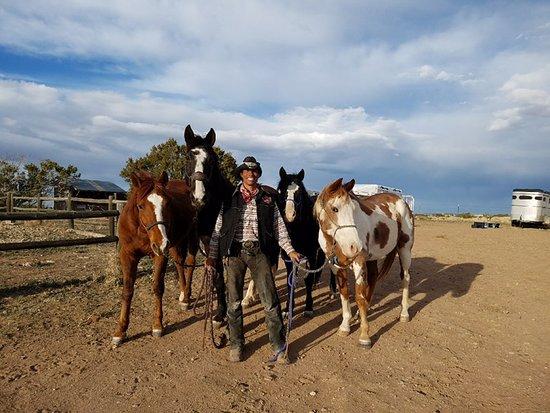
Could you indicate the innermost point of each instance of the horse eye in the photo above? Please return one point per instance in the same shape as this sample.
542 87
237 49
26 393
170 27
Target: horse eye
140 206
334 209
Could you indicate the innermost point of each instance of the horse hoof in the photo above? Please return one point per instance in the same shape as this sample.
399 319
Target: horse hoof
343 333
116 341
157 332
308 313
404 318
184 305
365 343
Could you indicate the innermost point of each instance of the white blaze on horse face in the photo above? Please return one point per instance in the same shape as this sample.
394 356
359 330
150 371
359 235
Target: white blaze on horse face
200 158
346 237
290 209
157 201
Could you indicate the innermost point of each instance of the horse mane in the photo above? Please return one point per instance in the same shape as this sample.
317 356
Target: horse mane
147 183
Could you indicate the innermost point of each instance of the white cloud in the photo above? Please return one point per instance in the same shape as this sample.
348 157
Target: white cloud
530 95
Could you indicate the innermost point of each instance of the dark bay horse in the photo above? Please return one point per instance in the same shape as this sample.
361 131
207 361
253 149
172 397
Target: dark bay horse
209 188
359 232
297 210
156 221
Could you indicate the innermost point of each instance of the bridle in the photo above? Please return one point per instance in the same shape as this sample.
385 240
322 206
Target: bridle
332 257
154 224
199 176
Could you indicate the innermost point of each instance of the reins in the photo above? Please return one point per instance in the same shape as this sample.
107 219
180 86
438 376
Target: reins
207 285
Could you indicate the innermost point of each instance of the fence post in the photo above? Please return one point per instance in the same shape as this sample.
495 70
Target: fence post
111 219
9 202
70 208
38 206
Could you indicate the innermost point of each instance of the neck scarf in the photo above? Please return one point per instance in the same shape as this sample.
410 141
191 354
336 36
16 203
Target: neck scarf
247 195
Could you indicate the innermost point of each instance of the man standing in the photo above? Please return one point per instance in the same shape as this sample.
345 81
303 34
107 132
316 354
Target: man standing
248 233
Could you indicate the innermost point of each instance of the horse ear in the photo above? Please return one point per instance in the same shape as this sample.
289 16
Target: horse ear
135 178
301 175
189 136
335 185
282 173
210 138
349 186
163 178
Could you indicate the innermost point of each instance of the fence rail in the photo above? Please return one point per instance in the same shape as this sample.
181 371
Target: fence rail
13 246
39 214
29 216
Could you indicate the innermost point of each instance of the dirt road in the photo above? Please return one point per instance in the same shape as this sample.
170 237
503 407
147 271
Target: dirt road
478 338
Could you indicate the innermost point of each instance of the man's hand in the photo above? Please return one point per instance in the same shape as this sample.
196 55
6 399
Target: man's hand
210 264
295 256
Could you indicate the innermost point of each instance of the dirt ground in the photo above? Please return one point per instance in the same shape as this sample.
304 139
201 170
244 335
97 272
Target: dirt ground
477 339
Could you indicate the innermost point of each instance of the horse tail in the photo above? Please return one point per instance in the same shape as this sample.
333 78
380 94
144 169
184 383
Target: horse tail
386 265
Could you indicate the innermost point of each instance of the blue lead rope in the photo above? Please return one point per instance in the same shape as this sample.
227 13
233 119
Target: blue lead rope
292 283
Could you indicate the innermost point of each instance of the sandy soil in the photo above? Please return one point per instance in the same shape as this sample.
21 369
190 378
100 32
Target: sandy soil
477 338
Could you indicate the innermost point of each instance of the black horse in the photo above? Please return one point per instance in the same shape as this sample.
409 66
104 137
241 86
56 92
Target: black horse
209 188
296 207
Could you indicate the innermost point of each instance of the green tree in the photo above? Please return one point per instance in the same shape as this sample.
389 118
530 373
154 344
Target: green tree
11 176
171 157
38 179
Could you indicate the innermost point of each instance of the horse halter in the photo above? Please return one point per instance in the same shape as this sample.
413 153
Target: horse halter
154 224
332 258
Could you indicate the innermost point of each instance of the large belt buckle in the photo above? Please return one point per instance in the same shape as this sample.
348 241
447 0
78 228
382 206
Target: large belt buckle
249 247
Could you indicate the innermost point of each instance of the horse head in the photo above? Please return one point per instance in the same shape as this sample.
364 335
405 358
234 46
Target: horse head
292 193
153 209
337 216
200 165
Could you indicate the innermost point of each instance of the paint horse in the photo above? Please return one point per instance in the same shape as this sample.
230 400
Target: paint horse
358 232
156 221
208 190
297 209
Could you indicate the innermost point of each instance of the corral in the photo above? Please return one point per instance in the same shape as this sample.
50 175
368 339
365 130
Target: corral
477 338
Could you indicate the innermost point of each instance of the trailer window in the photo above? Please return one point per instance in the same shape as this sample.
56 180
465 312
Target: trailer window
514 197
538 198
525 197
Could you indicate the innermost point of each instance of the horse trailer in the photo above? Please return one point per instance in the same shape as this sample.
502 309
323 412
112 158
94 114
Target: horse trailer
372 189
529 207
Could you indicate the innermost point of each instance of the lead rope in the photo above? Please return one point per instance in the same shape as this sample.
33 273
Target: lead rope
207 285
290 306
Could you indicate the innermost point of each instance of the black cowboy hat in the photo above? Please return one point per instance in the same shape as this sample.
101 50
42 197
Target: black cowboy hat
251 164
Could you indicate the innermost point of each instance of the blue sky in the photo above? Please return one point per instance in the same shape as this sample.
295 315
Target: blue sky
449 101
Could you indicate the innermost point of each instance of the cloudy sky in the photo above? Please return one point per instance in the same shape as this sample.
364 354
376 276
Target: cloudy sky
448 100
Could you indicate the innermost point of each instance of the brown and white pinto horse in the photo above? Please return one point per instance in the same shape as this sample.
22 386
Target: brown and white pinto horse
156 221
359 232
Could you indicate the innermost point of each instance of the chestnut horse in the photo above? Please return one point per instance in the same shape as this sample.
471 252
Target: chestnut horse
358 232
156 221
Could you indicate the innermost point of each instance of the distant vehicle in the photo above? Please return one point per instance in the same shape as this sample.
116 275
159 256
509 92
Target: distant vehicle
530 207
371 189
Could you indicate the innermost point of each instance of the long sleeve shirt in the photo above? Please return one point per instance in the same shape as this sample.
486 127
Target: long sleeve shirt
247 229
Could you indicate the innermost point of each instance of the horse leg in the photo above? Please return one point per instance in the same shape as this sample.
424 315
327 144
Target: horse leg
332 285
186 280
405 259
342 278
128 265
363 295
309 280
159 270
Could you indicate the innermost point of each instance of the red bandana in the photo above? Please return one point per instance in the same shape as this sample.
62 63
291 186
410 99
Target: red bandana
247 195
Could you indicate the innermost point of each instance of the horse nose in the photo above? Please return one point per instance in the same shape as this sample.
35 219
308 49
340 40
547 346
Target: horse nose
354 249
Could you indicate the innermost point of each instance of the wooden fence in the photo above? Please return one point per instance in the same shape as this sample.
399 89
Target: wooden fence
14 213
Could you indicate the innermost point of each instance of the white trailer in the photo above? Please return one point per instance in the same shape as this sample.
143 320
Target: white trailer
529 207
371 189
